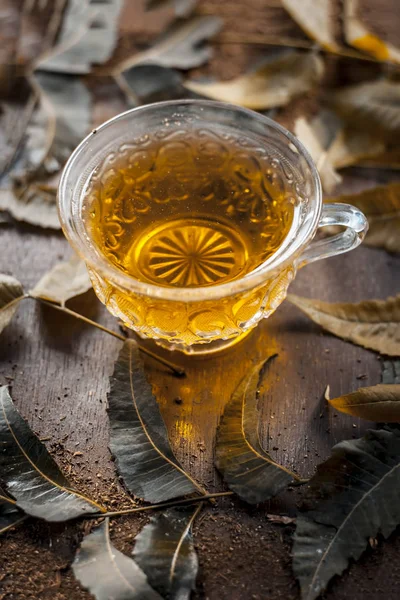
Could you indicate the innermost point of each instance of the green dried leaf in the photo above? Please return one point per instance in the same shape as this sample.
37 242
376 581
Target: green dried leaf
245 466
355 496
107 573
11 294
88 35
391 371
30 473
274 83
148 83
138 436
373 324
164 550
66 280
374 105
381 206
376 403
182 8
10 515
182 46
315 18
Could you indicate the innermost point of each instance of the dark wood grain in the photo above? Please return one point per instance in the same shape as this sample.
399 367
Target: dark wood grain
58 371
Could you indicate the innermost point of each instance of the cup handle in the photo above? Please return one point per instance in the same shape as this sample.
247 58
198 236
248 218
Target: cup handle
336 214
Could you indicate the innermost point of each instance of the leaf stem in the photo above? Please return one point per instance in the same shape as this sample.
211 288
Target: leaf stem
175 368
160 506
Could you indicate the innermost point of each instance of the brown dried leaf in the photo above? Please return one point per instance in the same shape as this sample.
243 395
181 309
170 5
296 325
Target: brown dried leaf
64 281
272 84
373 324
358 34
381 205
11 293
379 403
37 208
351 145
315 18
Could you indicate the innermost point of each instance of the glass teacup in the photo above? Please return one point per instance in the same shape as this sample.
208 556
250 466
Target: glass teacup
193 218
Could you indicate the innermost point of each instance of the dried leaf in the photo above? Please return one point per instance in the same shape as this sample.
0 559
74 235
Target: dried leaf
376 403
9 30
315 18
30 473
148 83
88 36
352 146
182 8
107 573
138 436
164 550
39 24
274 83
374 106
245 466
391 371
182 46
281 519
11 294
381 206
373 324
66 280
308 135
37 207
10 515
356 497
358 35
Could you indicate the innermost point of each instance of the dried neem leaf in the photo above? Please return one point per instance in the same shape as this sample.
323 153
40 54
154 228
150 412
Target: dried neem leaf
272 84
182 46
354 496
11 294
381 206
182 8
150 83
310 137
391 371
374 105
358 34
245 466
30 473
373 324
89 34
10 515
315 18
377 403
107 573
66 280
164 550
138 436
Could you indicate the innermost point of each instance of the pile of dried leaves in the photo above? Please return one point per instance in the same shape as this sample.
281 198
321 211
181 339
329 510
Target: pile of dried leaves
354 494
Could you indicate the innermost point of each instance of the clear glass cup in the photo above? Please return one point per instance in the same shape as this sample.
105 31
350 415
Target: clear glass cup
205 319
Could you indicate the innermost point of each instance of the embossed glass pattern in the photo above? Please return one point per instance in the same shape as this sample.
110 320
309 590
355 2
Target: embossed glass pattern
193 216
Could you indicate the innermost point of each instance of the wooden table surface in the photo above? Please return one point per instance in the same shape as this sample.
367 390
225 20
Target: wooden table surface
58 369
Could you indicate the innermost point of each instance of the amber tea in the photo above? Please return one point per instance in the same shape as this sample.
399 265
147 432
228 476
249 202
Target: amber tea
187 213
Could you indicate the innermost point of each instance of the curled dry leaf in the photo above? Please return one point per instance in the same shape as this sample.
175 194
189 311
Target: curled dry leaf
360 36
89 33
381 206
391 371
373 324
245 466
315 18
11 294
150 83
138 435
281 519
272 84
30 473
377 403
10 515
182 46
66 280
164 550
38 206
374 105
354 496
309 135
107 573
182 8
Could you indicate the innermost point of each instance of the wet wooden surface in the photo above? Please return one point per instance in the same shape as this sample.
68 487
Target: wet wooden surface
58 370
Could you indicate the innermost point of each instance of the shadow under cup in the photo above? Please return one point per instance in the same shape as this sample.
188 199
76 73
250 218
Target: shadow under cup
208 310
